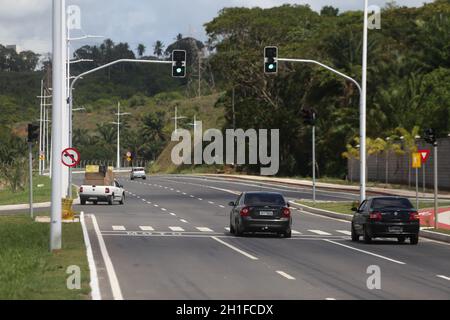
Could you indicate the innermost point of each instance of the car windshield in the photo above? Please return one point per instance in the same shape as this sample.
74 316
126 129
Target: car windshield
264 199
388 203
138 169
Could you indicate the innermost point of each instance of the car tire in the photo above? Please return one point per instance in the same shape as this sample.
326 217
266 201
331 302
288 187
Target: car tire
367 237
122 201
239 232
110 200
95 202
355 236
83 202
414 240
401 240
232 230
145 178
287 235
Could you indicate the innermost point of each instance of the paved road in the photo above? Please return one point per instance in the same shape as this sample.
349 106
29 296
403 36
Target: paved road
170 241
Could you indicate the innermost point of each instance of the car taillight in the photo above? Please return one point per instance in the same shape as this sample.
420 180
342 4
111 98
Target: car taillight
376 216
245 212
107 190
286 212
81 189
414 216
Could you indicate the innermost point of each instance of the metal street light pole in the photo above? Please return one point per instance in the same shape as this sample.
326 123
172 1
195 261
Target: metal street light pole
314 160
363 106
119 114
59 103
436 189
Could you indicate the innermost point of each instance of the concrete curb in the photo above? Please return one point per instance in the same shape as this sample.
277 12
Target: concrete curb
17 207
423 233
325 186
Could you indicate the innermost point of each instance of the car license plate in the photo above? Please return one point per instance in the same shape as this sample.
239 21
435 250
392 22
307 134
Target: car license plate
395 229
266 213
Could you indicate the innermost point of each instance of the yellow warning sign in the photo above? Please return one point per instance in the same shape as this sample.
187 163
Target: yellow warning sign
416 161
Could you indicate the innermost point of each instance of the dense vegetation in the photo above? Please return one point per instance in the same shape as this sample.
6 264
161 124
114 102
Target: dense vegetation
408 83
408 80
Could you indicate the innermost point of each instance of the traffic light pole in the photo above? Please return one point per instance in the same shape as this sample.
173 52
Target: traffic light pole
436 206
75 80
314 161
363 153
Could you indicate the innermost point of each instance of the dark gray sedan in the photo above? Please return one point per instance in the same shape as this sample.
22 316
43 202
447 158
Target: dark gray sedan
261 212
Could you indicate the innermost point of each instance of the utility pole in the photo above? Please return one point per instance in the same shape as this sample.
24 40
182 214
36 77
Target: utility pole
176 118
363 106
30 168
41 127
436 189
59 104
314 160
119 114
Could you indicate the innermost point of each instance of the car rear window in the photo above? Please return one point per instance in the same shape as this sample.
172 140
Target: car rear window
138 169
400 203
264 199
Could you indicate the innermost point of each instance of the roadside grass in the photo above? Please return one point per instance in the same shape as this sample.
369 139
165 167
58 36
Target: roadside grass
29 272
346 207
43 194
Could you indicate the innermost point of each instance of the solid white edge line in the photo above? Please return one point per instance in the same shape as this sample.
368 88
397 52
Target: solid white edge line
235 249
366 252
284 274
443 277
114 282
95 288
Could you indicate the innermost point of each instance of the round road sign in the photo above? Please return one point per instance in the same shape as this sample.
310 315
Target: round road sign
70 157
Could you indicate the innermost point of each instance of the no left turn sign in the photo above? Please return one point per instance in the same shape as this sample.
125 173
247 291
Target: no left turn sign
70 157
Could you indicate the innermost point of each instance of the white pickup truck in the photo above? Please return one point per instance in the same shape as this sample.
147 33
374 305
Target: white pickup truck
97 194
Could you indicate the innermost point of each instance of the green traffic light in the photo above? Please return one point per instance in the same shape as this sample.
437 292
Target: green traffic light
271 67
179 70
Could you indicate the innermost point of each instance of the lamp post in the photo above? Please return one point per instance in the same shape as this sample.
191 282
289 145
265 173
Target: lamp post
119 114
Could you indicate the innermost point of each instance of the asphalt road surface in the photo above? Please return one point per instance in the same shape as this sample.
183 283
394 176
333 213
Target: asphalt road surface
171 241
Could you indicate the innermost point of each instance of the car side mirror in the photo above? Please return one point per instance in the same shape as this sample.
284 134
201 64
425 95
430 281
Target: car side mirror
232 204
355 209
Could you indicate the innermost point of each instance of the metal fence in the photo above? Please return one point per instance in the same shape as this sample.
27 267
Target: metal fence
395 169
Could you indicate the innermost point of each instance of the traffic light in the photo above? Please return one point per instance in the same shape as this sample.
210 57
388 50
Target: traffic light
309 116
271 60
179 63
431 137
33 133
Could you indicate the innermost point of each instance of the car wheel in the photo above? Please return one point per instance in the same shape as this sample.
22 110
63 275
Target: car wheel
367 237
355 236
239 232
145 178
95 202
287 235
110 200
401 240
122 201
414 240
83 202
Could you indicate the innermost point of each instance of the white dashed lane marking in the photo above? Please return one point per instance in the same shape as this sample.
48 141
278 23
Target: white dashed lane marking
146 228
203 229
319 232
118 228
285 275
176 229
347 233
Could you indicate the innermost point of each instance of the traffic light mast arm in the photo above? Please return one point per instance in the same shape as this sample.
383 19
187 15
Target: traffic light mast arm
326 67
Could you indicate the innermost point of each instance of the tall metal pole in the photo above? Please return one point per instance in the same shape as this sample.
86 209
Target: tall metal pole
59 103
30 167
118 136
424 178
363 106
417 188
40 127
436 205
314 161
44 133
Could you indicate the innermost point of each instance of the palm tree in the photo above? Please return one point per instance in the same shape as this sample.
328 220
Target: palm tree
158 48
141 50
409 144
351 154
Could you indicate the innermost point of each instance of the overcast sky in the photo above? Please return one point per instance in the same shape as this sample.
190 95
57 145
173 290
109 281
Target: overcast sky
27 23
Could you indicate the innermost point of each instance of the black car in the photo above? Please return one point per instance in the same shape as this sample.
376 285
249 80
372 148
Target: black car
386 217
260 212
